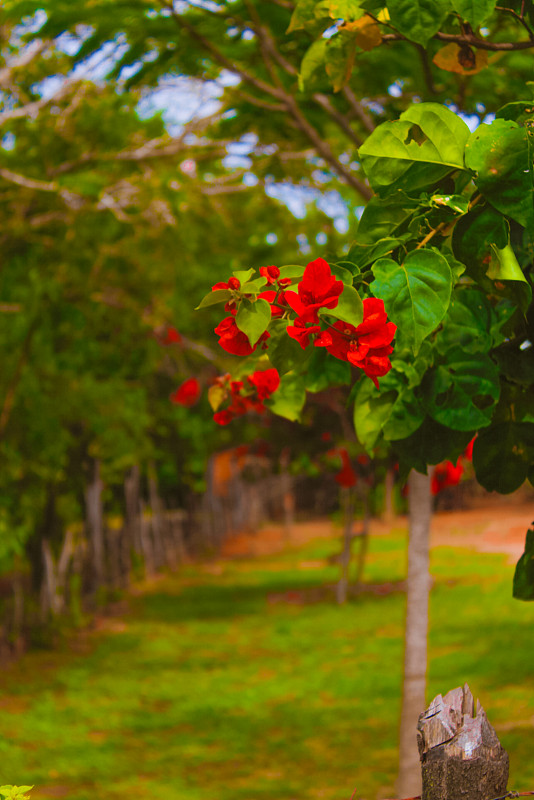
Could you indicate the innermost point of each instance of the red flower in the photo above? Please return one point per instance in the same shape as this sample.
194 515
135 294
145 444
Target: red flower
318 289
265 382
271 295
233 283
235 341
223 417
171 337
271 273
366 346
446 474
187 394
301 332
347 477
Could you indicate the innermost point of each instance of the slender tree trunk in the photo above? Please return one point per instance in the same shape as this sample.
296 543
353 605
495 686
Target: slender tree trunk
132 484
348 515
160 555
364 543
389 484
288 495
95 525
416 633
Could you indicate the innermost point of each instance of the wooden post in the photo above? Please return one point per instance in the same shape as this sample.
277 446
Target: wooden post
461 756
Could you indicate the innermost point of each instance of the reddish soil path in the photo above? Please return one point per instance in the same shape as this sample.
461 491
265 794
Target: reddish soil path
498 527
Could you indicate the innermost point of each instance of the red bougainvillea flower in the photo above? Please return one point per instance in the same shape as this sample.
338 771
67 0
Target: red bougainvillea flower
346 477
223 417
265 382
317 289
171 337
302 332
235 341
366 346
233 283
271 273
446 474
271 296
187 394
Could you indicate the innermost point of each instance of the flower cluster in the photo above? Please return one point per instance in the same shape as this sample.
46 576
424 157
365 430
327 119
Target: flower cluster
366 346
246 395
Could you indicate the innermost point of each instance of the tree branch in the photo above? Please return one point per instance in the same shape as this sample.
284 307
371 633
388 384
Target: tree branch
358 109
342 122
469 39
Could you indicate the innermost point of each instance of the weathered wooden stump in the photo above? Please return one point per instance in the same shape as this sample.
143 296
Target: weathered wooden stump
461 756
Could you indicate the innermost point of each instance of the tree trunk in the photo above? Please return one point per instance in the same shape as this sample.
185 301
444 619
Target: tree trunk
364 543
95 525
160 555
288 494
416 633
348 516
132 484
389 487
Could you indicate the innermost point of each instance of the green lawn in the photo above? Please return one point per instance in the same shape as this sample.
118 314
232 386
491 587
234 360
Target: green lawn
244 681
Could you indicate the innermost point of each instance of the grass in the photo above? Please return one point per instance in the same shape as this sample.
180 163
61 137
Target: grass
221 682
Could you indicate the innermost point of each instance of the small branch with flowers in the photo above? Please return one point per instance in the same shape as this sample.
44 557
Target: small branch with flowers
316 306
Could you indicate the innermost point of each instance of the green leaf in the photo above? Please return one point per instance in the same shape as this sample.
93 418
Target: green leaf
244 275
292 271
314 61
523 586
324 371
430 444
498 153
418 20
458 203
516 364
415 151
349 308
382 217
475 12
475 237
462 392
217 296
468 323
342 273
371 412
504 265
416 294
254 287
315 16
412 368
285 353
289 398
253 318
502 455
340 55
363 254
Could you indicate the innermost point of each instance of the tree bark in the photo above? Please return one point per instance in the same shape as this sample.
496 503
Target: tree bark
364 543
342 588
95 525
416 633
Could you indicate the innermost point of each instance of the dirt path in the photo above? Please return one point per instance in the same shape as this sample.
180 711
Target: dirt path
492 529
